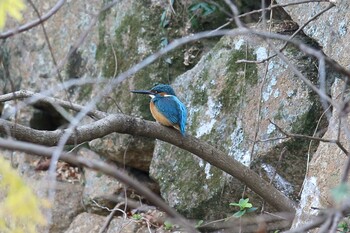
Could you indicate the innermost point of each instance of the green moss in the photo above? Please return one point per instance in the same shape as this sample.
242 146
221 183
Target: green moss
195 122
101 47
249 70
305 125
200 98
279 115
74 65
238 75
85 92
204 187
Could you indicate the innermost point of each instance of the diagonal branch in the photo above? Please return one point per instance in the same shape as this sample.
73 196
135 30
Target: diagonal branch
102 167
124 124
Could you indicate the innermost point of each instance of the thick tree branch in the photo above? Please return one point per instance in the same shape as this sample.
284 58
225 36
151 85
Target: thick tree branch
124 124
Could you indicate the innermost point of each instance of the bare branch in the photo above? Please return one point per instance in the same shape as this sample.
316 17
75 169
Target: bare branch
34 23
107 169
128 125
235 13
280 5
23 94
291 135
331 5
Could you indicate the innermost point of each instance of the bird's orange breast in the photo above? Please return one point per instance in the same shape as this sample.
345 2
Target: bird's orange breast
159 116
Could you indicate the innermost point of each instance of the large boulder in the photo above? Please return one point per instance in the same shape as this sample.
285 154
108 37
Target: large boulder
330 30
230 105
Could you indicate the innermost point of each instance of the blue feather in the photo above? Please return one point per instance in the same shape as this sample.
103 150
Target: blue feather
165 107
173 109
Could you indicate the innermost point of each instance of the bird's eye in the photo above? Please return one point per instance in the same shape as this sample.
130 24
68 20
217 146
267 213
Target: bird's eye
155 92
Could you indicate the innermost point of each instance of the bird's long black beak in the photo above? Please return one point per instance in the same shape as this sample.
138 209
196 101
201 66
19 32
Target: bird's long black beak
142 92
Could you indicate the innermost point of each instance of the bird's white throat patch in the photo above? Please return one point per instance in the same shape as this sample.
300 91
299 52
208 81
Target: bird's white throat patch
152 96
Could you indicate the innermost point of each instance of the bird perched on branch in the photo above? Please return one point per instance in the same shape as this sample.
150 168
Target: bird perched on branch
165 107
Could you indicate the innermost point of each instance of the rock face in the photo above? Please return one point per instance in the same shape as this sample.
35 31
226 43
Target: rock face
230 104
326 166
97 186
223 100
93 223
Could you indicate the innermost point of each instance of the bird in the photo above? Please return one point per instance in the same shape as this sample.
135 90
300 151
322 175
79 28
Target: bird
165 107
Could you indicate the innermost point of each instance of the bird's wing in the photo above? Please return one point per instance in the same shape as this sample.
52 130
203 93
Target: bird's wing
169 107
174 110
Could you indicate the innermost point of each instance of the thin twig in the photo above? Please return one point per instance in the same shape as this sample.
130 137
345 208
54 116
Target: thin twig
280 5
291 135
110 217
235 13
34 23
331 5
24 94
309 150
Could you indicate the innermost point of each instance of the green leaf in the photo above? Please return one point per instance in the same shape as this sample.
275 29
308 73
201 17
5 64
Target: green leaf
168 60
244 203
163 20
199 223
248 205
343 227
194 22
239 213
251 209
194 7
234 204
168 225
206 8
164 42
137 216
209 9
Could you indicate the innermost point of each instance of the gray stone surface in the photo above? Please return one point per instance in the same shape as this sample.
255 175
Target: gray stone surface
87 222
98 186
325 170
331 31
67 205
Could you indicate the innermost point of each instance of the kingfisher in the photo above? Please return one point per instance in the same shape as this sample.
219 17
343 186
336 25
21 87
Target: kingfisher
165 107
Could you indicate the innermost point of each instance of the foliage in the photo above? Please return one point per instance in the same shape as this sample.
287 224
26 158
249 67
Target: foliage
12 8
195 11
168 225
199 223
343 227
244 207
137 216
20 208
164 19
199 10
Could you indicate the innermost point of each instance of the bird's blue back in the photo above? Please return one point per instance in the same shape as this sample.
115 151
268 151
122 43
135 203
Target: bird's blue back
173 109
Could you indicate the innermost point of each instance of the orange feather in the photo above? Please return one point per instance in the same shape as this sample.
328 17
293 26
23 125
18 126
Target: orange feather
160 117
